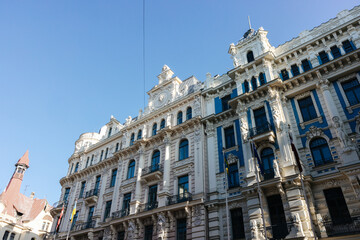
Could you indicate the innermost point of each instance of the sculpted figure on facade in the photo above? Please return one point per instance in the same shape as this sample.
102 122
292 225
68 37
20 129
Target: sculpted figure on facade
128 121
297 229
276 168
344 139
161 226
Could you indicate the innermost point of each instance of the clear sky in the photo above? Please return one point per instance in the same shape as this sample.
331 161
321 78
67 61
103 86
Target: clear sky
67 66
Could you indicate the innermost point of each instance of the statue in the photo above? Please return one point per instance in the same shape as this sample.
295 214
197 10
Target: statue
128 120
344 139
161 224
253 227
296 230
276 169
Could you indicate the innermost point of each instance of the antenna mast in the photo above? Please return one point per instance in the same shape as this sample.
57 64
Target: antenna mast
249 22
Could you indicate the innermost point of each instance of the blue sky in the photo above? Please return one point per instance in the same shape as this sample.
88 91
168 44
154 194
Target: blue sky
67 66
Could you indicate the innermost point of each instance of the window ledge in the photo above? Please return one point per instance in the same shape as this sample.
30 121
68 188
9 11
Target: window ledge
352 107
236 148
325 166
318 119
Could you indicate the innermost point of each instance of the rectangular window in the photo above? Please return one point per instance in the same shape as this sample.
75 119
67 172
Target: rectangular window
76 167
233 176
295 70
6 235
113 177
152 197
74 219
66 195
72 166
12 236
336 204
225 102
348 47
117 147
121 235
90 214
82 189
307 109
92 160
107 209
97 184
148 232
229 137
237 223
352 91
183 186
284 74
323 57
87 162
126 204
181 229
109 134
106 153
335 51
101 155
306 65
260 117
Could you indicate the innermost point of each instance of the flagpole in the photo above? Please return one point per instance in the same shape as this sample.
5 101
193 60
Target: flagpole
73 212
226 199
259 190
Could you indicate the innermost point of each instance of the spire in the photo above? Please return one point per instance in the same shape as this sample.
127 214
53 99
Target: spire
24 160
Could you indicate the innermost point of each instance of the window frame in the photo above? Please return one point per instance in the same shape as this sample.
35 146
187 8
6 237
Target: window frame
183 150
154 129
308 64
301 120
132 139
131 167
225 137
188 113
323 159
162 124
113 177
345 79
332 52
179 118
250 56
295 67
139 135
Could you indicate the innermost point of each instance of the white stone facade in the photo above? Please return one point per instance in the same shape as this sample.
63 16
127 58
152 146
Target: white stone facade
298 89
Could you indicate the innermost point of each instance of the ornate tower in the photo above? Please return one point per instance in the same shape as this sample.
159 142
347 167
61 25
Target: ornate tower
15 182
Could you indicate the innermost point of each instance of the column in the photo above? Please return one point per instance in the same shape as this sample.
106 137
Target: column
138 189
116 194
349 155
244 129
198 160
210 132
166 174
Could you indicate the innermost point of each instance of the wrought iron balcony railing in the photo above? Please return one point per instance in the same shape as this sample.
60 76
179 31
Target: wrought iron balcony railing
60 204
186 196
121 213
346 227
83 226
260 129
92 192
150 205
153 168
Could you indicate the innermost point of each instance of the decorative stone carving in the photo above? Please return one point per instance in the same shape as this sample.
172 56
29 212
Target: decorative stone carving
254 231
197 136
296 229
344 139
197 106
232 158
161 226
128 121
107 233
197 215
314 132
276 169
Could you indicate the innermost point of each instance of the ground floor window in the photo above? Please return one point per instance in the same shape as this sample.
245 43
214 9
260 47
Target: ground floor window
237 223
338 209
181 229
148 232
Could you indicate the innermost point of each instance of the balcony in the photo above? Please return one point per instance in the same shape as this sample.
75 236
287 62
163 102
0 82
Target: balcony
268 174
152 173
57 207
83 226
278 231
121 213
263 132
347 228
149 206
184 197
91 196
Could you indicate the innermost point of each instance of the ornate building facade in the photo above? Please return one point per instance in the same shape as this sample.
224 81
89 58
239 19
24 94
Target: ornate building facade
23 217
162 174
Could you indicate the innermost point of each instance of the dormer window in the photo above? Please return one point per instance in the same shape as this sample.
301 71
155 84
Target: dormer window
250 56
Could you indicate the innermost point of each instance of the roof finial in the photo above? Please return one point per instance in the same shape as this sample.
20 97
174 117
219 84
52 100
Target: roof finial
249 22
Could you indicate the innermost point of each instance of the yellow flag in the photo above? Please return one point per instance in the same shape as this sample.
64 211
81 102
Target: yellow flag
73 213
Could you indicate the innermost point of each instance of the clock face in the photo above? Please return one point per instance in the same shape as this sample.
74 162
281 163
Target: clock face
161 99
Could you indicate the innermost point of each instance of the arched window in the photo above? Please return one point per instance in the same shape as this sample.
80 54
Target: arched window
132 138
188 113
154 129
155 160
250 56
131 169
246 86
162 124
320 151
139 135
267 158
262 79
253 83
184 149
179 118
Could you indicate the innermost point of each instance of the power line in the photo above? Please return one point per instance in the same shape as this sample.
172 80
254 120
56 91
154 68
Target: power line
144 50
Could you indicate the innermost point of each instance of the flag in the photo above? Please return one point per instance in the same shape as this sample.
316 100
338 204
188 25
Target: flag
296 154
256 155
60 217
226 165
73 213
